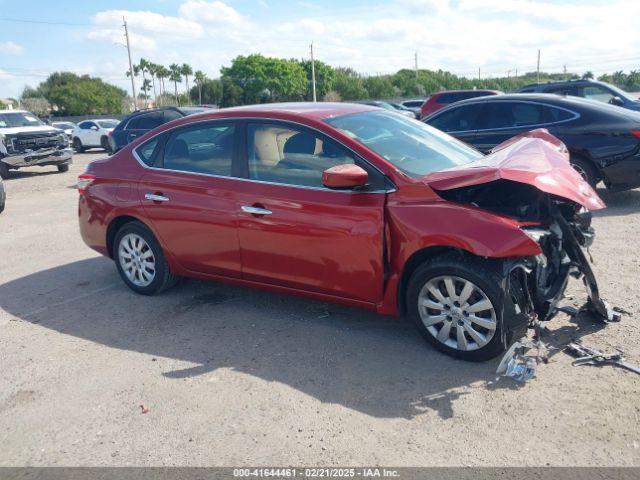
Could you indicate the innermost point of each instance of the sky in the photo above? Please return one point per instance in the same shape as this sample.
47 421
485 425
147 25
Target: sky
497 36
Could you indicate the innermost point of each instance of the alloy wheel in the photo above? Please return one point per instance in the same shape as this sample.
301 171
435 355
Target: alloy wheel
137 260
457 313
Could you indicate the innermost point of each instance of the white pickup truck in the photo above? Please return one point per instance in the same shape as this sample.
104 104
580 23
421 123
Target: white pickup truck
25 141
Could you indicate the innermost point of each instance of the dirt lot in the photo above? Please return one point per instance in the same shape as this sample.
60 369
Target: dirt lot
233 376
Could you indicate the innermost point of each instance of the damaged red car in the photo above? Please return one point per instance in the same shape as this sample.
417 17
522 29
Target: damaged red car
350 204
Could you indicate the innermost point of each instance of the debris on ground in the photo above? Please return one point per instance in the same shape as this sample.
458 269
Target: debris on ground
585 355
145 409
515 364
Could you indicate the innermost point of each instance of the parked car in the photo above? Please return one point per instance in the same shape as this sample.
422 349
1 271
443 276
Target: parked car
353 204
603 141
25 141
386 106
438 100
140 122
66 127
93 134
403 109
413 105
3 196
589 89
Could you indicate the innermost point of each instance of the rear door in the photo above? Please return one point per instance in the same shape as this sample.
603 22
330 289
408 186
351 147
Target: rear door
189 194
296 233
501 120
141 124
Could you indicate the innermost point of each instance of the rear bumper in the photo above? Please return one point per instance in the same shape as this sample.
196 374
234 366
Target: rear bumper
45 157
623 174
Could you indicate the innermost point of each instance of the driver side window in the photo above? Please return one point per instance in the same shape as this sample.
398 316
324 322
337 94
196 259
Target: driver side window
282 154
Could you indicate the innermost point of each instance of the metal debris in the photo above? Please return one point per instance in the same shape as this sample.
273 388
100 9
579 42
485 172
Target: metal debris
585 355
517 365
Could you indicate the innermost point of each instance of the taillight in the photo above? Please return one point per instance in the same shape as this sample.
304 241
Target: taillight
635 133
84 181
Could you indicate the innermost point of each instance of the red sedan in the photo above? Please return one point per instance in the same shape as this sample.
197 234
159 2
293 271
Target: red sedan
352 204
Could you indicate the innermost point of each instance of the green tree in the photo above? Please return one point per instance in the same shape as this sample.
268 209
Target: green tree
232 94
264 79
81 95
324 78
175 75
209 91
199 77
186 71
379 87
587 75
349 85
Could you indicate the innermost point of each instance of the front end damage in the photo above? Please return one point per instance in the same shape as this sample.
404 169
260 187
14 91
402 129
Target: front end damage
530 180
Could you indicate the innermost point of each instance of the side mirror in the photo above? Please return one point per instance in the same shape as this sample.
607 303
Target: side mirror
346 175
94 128
616 101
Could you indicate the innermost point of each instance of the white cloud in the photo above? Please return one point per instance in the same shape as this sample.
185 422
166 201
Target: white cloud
150 22
11 48
212 13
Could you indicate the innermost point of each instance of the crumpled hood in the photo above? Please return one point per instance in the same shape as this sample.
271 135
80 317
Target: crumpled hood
35 129
536 158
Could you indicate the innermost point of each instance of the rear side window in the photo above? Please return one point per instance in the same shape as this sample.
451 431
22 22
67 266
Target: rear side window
147 151
554 114
511 115
204 149
148 121
447 98
171 115
458 119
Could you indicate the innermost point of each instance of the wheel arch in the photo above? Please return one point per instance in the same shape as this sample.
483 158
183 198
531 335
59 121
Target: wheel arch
116 224
418 258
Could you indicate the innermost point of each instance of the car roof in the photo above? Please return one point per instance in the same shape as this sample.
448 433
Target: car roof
557 83
468 90
99 120
568 102
317 110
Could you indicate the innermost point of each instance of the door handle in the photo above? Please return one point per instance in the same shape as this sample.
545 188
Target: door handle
256 210
156 198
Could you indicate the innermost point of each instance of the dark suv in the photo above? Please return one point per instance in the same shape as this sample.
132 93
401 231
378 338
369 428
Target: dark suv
140 122
589 89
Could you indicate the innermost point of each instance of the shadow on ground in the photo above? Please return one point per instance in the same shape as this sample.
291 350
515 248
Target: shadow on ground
618 203
370 363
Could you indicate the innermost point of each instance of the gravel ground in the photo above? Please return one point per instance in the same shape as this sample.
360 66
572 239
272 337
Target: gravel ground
233 376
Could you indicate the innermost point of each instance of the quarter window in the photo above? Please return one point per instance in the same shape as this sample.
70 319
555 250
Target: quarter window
206 149
146 151
281 154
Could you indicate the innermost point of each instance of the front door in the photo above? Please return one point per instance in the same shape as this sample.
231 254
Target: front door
189 196
296 233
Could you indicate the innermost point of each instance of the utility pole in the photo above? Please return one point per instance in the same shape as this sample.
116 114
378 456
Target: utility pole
133 85
479 73
415 58
538 69
313 74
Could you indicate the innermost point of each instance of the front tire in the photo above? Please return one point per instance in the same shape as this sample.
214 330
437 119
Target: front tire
140 260
63 168
456 303
586 170
4 170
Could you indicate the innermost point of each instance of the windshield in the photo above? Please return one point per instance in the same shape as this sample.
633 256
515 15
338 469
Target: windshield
622 93
413 147
107 123
19 119
63 125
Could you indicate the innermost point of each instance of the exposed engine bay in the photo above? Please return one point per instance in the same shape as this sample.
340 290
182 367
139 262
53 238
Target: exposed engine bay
563 230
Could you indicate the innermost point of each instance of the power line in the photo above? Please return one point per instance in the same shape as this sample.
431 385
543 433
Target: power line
44 22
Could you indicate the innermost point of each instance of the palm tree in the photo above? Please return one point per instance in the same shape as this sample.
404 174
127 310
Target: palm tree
136 72
153 71
162 72
175 75
186 71
143 66
199 78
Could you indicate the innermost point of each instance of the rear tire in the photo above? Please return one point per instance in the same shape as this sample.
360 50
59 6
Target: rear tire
140 260
458 324
77 145
63 168
586 170
104 143
4 170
